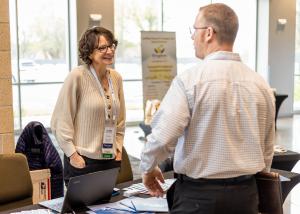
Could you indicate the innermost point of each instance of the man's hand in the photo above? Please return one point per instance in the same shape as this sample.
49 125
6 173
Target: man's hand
77 161
150 181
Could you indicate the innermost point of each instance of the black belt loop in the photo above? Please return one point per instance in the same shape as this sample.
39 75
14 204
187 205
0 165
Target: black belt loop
233 180
180 177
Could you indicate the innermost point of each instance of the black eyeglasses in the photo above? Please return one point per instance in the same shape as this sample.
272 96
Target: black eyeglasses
104 48
193 29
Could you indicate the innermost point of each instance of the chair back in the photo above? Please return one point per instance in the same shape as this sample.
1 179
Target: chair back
15 182
125 173
35 143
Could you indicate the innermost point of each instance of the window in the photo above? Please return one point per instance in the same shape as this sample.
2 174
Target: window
179 17
40 52
297 61
132 16
245 43
39 57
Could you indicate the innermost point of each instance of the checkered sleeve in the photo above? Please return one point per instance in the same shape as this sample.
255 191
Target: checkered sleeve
168 125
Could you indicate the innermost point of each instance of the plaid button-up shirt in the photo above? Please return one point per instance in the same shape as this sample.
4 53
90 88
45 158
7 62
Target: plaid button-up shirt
219 118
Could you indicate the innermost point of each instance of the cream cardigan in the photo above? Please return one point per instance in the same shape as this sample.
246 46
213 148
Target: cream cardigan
79 116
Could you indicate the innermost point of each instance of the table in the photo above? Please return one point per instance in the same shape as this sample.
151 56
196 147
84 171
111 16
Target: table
285 160
113 199
287 186
279 98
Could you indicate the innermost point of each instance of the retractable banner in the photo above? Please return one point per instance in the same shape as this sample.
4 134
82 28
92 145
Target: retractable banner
158 63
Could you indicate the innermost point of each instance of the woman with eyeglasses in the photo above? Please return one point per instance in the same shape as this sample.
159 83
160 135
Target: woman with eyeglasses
89 117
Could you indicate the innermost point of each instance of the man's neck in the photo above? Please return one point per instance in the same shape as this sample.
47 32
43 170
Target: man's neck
216 47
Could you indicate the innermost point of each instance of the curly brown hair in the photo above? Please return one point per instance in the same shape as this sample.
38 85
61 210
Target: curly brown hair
89 41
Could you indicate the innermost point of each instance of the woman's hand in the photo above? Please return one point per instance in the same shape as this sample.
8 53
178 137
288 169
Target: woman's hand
118 156
77 161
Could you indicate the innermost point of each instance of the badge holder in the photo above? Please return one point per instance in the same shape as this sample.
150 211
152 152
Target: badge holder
108 141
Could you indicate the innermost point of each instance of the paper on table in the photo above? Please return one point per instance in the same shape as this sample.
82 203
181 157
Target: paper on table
151 204
114 205
142 189
279 149
38 211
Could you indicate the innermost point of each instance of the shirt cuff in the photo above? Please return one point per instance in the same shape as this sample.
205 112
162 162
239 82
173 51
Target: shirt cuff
68 149
146 166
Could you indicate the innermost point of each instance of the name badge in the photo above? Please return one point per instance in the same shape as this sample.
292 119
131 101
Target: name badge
108 142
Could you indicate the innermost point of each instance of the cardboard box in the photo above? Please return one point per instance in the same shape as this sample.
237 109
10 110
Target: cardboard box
41 185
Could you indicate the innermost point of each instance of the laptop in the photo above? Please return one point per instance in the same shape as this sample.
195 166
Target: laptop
85 190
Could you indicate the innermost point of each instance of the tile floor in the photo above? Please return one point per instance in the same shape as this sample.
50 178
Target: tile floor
288 135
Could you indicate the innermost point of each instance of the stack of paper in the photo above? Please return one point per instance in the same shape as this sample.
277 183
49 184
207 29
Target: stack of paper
142 189
38 211
133 205
151 204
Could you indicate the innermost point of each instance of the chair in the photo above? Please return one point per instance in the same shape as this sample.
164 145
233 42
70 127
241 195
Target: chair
146 128
15 182
125 173
35 143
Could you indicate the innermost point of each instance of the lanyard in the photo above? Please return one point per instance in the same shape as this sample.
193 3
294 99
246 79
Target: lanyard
103 94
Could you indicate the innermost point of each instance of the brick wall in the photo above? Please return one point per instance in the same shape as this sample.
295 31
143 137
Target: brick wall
6 107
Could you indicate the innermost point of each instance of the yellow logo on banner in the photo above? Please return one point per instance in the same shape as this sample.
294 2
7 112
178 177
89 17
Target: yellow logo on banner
159 50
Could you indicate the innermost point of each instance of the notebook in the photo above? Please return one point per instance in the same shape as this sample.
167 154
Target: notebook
84 190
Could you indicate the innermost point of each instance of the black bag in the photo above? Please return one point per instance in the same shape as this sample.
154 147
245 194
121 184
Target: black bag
269 193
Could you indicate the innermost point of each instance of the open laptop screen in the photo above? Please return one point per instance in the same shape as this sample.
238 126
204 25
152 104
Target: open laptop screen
84 190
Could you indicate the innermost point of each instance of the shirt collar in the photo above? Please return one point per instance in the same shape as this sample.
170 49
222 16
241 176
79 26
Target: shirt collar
223 55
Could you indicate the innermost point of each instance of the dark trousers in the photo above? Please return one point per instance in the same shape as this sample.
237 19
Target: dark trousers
92 165
208 197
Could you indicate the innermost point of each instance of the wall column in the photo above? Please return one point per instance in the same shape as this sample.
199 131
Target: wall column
6 107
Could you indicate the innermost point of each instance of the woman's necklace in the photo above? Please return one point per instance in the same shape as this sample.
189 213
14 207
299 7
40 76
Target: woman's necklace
103 80
104 83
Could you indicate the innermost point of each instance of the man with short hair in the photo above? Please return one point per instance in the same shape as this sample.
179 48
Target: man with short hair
219 117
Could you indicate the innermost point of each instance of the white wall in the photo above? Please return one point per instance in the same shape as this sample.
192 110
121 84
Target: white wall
277 64
86 7
282 51
79 19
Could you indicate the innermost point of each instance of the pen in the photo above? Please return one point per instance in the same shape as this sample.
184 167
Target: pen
133 205
123 210
132 208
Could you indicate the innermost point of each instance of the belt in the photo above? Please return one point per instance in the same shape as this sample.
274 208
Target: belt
233 180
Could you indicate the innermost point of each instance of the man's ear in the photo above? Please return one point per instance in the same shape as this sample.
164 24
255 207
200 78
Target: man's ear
209 34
